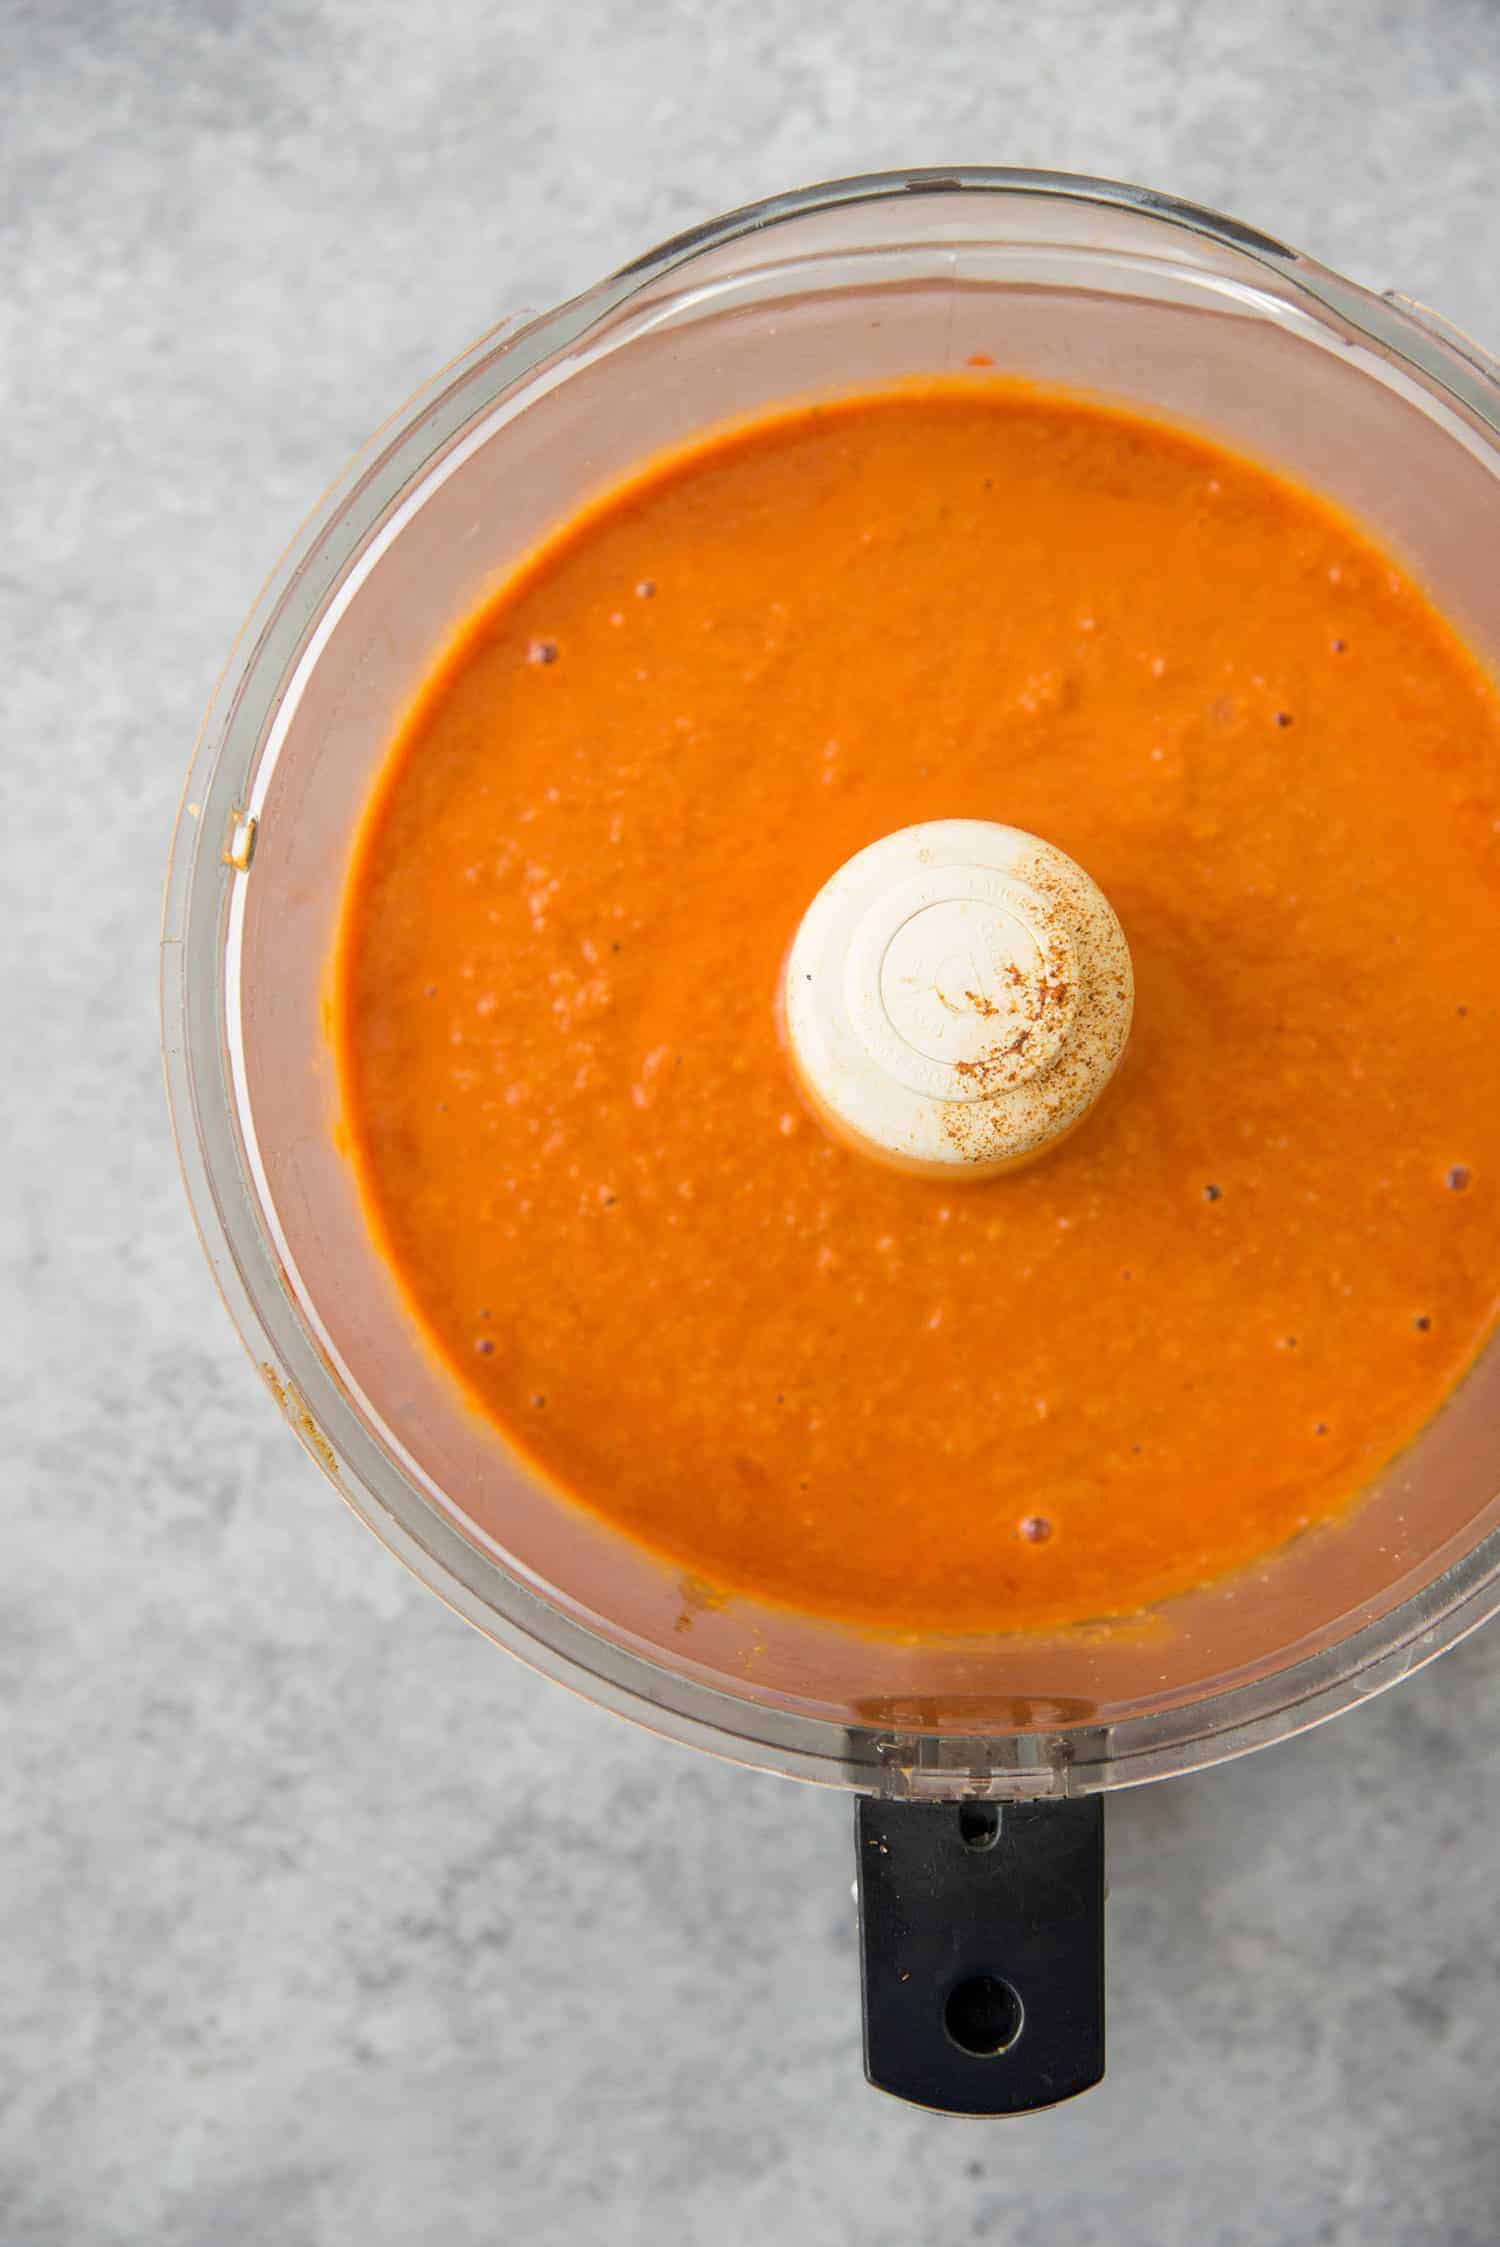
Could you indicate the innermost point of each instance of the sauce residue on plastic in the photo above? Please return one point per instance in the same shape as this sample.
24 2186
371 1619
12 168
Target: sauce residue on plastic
1203 1322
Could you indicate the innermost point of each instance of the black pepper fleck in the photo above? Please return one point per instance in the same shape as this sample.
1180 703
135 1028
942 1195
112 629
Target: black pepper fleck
542 651
485 1346
1213 1193
1458 1178
1283 717
1422 1322
645 589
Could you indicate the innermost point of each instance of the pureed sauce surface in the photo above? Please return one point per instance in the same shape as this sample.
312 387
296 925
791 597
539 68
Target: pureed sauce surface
1201 1323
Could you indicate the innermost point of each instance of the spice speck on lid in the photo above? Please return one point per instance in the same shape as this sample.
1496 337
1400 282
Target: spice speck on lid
542 651
1283 717
1036 1529
1458 1178
1213 1193
1422 1322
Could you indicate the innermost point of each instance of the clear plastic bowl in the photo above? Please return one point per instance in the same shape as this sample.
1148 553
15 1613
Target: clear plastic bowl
1060 279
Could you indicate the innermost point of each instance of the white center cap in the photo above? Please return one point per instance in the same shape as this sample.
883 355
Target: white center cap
958 995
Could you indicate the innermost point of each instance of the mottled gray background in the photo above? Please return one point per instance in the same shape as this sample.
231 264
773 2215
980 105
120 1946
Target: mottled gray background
323 1922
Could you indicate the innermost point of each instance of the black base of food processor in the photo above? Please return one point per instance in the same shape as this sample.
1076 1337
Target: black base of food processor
982 1951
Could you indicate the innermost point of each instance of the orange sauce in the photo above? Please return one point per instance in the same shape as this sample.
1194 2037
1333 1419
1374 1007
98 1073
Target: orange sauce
1203 1322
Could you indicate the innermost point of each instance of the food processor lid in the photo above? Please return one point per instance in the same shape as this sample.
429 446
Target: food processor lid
957 997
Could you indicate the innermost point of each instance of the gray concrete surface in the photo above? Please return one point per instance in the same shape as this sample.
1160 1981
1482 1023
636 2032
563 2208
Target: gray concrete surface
322 1922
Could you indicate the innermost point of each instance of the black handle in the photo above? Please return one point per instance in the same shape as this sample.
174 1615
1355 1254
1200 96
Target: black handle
982 1942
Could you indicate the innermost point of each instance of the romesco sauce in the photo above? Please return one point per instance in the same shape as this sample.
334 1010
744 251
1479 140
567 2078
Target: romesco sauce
1199 1324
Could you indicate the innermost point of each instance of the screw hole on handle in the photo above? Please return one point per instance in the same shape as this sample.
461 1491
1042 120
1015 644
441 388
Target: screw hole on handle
983 2016
979 1824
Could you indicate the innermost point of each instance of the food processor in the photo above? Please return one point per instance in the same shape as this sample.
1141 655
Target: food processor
979 1764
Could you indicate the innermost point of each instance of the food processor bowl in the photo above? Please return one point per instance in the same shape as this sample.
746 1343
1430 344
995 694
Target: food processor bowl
1061 280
